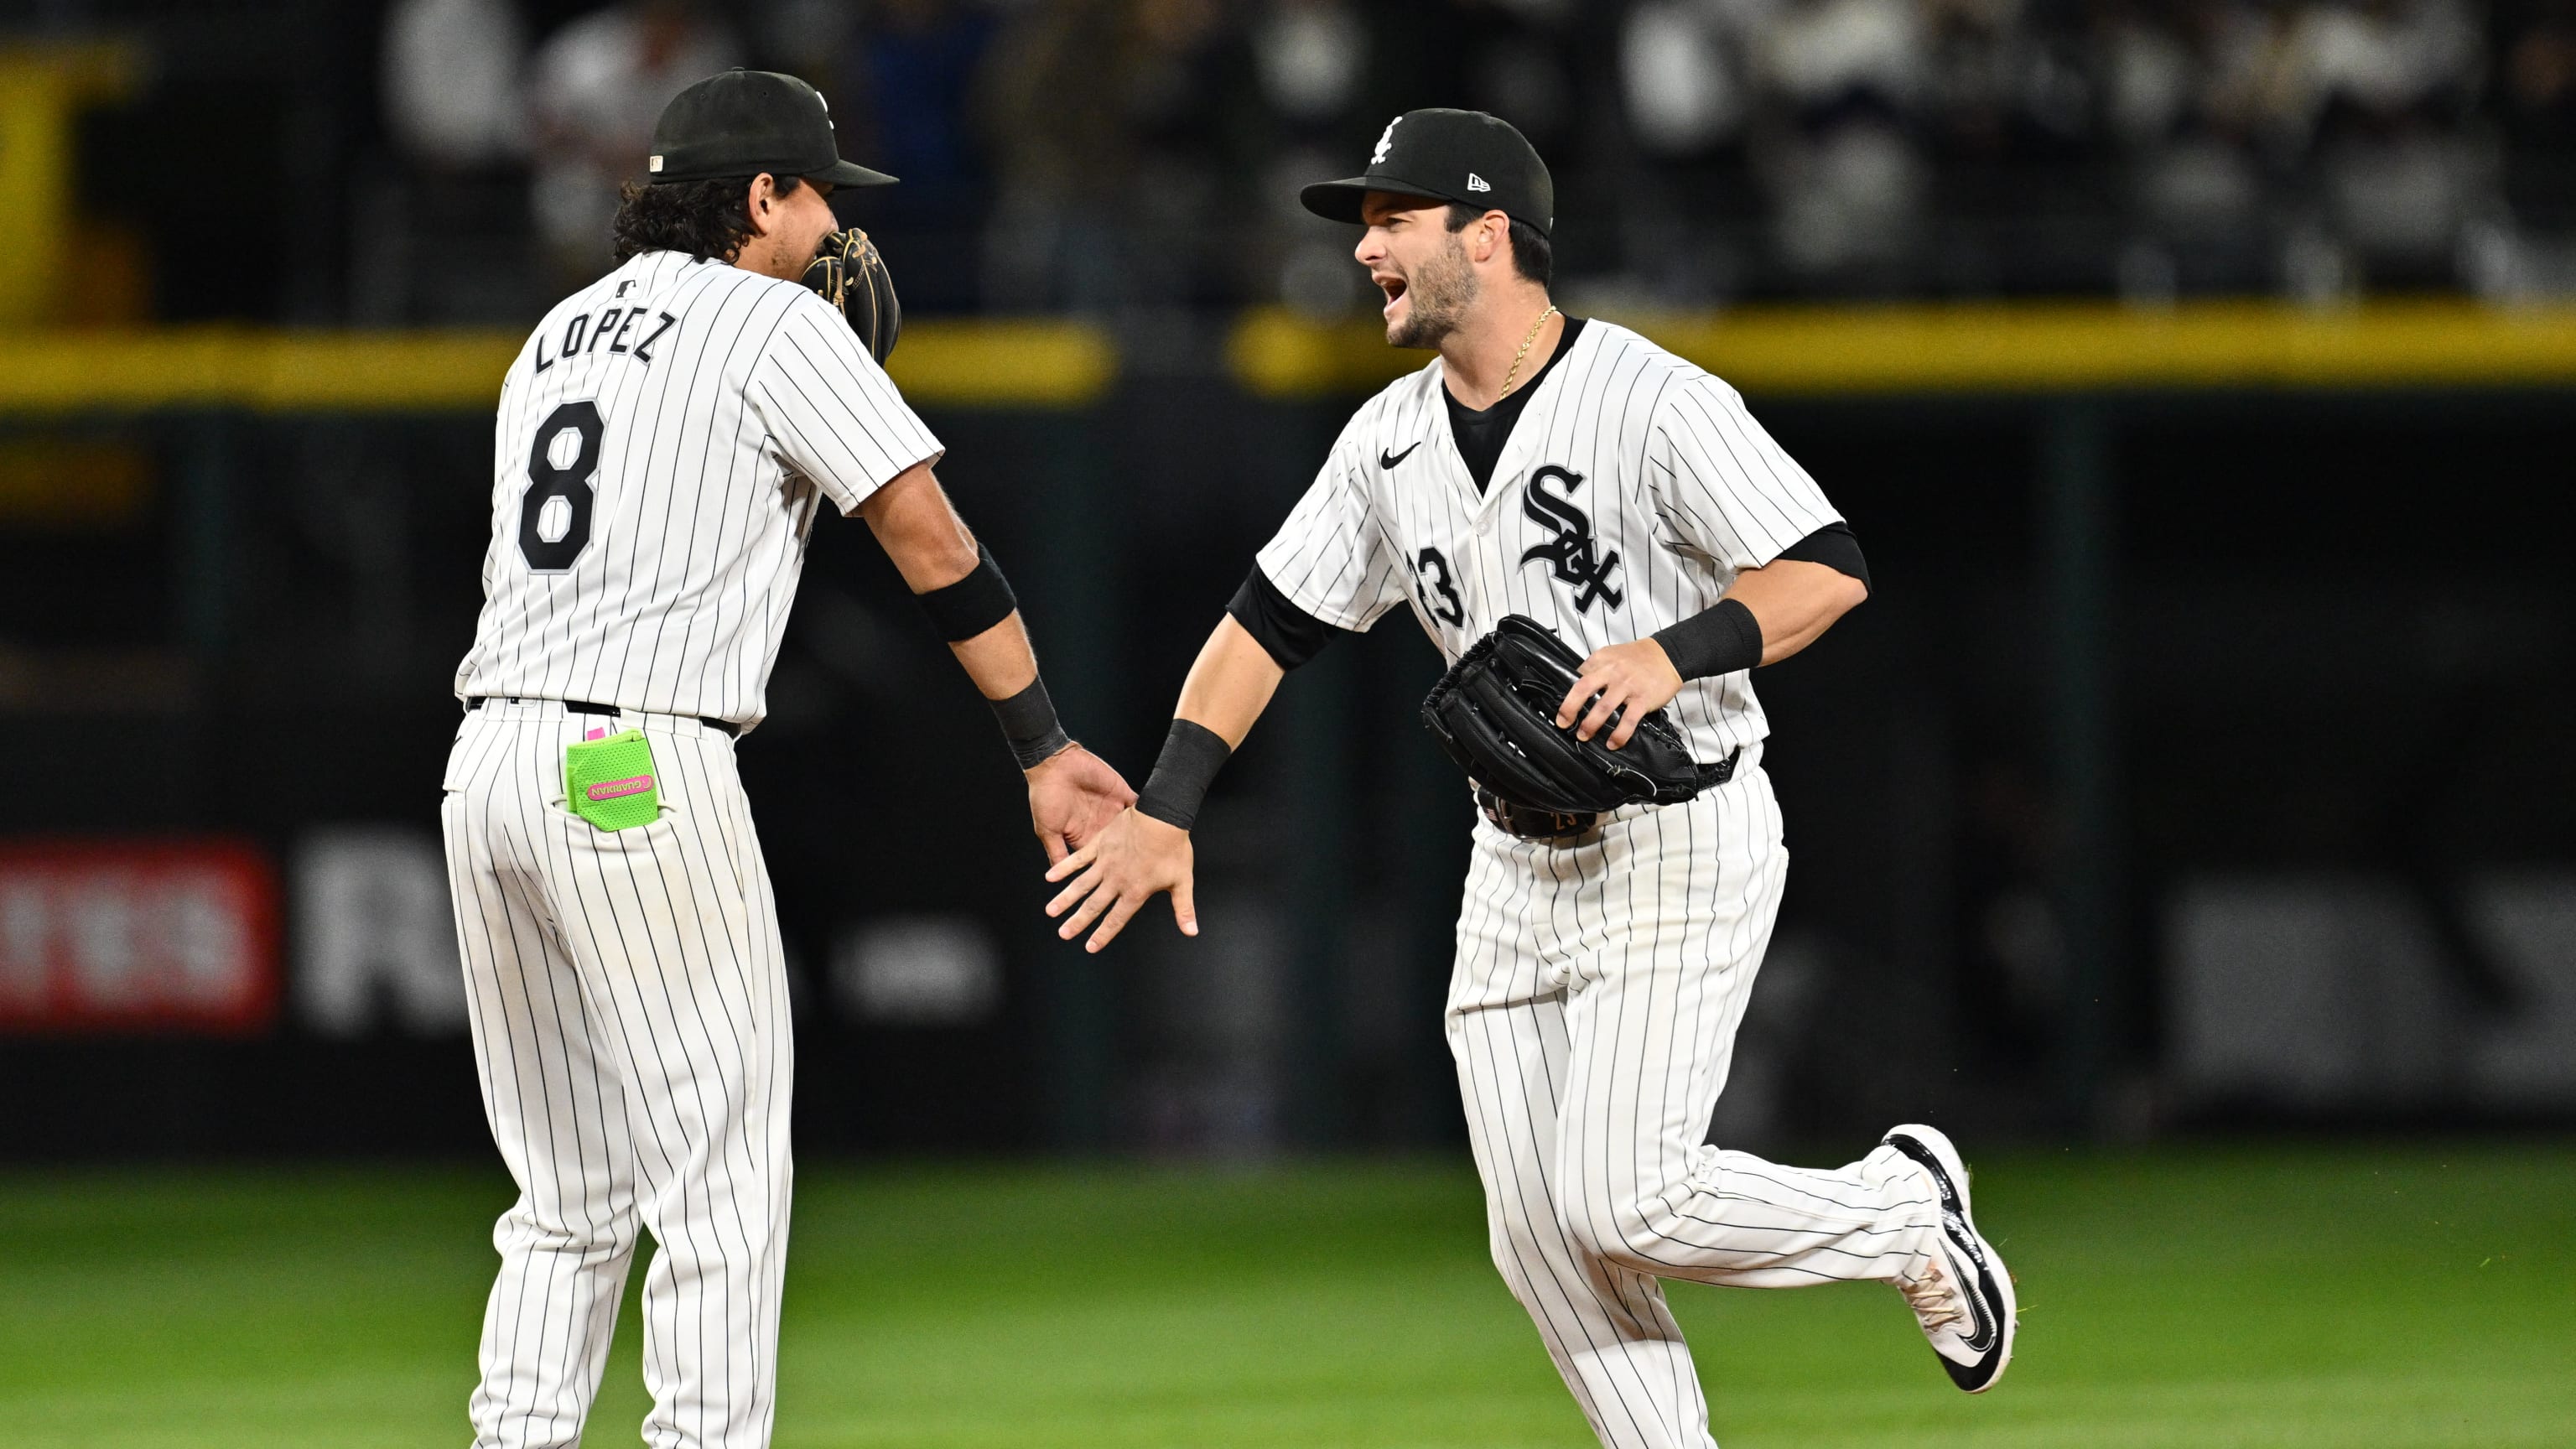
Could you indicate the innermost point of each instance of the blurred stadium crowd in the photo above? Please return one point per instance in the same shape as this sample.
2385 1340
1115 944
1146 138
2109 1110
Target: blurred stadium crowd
1106 154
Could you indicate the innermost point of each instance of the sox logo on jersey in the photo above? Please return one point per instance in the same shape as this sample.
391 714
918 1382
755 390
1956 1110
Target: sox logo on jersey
1570 553
663 443
1599 981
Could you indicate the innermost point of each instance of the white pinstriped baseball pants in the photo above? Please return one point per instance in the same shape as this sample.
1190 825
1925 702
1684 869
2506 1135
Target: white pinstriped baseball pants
631 1019
1592 1014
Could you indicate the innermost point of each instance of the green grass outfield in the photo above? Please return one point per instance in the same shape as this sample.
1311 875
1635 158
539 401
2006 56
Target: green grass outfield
2251 1295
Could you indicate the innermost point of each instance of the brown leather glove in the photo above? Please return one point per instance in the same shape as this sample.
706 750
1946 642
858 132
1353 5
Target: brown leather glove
852 275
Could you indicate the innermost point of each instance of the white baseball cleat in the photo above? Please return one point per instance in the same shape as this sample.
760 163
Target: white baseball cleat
1964 1300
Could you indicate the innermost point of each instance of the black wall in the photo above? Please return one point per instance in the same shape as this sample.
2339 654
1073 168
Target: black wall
2341 637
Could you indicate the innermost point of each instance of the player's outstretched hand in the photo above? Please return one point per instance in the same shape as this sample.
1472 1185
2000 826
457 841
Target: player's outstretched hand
1134 859
1630 681
1073 795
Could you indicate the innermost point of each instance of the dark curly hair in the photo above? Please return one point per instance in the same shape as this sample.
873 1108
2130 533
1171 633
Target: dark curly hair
706 219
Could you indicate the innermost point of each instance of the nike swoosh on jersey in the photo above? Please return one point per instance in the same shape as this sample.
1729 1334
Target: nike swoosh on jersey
1388 460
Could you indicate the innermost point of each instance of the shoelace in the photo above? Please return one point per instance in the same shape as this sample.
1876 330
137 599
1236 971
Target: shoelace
1936 1297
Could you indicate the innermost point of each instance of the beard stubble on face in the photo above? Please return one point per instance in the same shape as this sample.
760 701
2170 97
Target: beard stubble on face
1436 298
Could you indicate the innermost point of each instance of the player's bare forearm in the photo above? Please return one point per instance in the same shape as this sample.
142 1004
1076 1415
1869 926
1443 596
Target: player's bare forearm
1138 856
1793 602
999 660
920 530
1230 684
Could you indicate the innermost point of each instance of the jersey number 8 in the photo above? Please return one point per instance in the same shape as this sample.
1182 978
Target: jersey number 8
554 514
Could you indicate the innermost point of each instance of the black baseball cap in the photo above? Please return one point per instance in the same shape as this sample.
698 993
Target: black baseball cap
1464 156
745 122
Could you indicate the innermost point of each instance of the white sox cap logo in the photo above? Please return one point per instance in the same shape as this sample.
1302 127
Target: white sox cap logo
1385 139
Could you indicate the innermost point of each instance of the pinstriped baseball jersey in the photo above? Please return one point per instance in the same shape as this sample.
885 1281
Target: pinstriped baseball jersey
1632 491
1601 977
664 441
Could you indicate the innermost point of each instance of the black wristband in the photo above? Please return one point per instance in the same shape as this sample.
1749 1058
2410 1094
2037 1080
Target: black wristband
1192 754
1720 639
973 604
1029 723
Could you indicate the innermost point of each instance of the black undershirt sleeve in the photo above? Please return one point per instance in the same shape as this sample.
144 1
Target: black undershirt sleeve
1290 634
1835 548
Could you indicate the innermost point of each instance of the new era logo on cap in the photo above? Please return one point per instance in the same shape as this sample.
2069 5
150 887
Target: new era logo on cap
1476 182
653 163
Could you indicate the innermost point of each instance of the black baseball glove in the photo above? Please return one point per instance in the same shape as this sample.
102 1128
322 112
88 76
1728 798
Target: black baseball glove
852 276
1494 713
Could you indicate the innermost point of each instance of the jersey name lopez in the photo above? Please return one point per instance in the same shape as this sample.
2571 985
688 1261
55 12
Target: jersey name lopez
1633 489
664 441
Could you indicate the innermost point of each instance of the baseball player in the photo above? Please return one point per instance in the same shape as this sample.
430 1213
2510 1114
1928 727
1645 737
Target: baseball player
1555 479
665 440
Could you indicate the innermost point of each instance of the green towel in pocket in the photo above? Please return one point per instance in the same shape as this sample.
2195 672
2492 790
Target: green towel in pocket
610 782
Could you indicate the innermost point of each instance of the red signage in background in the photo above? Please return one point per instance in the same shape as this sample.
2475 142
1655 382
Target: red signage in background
152 935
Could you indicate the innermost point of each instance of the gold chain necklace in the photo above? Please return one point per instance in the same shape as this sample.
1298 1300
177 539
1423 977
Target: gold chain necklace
1520 356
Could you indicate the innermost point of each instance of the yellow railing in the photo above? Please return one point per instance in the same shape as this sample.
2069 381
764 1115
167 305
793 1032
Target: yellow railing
959 364
2011 348
1060 364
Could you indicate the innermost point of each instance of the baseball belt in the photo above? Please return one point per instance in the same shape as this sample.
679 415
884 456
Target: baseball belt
583 706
